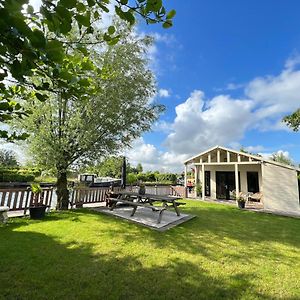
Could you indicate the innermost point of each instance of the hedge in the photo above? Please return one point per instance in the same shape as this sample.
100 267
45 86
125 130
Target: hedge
18 174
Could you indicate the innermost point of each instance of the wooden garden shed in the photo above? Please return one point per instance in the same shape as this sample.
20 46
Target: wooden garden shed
223 173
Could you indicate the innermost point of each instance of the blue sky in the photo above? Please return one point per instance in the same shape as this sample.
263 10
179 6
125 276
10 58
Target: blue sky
228 71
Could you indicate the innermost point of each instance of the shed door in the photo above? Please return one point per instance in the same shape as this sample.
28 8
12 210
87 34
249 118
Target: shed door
207 183
252 182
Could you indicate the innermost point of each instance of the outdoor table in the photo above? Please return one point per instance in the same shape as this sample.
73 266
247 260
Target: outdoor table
167 201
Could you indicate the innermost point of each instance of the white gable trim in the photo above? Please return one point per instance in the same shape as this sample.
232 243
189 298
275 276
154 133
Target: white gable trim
259 158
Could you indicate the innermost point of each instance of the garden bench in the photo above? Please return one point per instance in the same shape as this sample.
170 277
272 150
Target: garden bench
135 205
3 214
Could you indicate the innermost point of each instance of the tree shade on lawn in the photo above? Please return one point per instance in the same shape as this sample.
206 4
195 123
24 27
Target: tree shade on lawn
222 254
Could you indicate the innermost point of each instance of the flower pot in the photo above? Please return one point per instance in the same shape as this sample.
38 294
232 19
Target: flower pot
79 204
142 190
241 204
37 212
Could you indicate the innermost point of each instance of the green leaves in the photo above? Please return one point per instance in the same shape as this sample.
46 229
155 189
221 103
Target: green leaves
68 3
41 97
153 5
37 45
171 14
111 30
167 24
125 15
38 39
83 20
55 51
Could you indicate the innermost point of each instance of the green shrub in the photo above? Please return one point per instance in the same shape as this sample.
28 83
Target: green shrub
131 178
17 174
199 189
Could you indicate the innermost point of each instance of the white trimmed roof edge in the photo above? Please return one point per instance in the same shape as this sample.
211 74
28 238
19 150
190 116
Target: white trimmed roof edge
190 160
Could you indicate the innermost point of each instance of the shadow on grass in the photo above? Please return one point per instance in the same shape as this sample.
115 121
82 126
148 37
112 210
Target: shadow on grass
39 266
36 266
217 225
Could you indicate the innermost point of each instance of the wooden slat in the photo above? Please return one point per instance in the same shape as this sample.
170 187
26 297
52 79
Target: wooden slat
3 198
26 202
15 201
21 204
96 193
51 194
10 193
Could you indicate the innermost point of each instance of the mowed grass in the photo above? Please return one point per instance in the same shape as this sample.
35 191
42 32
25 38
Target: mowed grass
224 253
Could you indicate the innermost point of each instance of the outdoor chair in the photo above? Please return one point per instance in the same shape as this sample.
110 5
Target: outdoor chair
256 197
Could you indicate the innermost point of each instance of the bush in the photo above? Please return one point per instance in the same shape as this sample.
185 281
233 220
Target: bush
167 177
199 189
131 178
18 175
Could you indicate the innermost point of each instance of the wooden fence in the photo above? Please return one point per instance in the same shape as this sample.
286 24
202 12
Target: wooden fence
18 199
88 195
162 190
21 198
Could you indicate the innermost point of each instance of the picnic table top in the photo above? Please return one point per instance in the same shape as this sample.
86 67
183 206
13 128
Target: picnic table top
151 196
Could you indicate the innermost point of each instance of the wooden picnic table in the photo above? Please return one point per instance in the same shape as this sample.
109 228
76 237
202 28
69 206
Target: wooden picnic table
147 200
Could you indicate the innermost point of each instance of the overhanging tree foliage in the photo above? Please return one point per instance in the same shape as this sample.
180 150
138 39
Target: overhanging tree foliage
35 44
100 116
293 120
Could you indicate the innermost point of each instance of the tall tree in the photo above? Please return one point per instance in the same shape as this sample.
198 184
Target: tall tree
35 44
8 158
139 168
100 116
281 158
110 166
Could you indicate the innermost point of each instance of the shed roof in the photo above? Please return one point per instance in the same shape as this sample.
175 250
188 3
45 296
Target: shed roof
254 157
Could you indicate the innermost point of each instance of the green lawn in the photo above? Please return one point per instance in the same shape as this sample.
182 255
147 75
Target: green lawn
223 253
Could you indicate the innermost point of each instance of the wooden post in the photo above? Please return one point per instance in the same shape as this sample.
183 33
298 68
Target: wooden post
238 158
196 181
185 175
203 182
237 188
228 156
209 158
218 156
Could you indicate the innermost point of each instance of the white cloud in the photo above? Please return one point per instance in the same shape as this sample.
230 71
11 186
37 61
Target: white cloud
276 95
163 93
234 86
153 159
267 155
255 149
200 124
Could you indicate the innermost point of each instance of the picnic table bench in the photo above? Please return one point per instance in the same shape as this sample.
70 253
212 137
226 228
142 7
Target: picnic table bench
135 205
147 200
3 214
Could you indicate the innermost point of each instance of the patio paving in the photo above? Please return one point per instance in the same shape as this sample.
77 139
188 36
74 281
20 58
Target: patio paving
147 217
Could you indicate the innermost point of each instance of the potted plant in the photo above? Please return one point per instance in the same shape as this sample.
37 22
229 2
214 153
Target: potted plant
241 202
37 209
199 189
142 189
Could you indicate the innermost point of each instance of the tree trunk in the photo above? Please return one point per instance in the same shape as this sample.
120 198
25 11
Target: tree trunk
62 190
